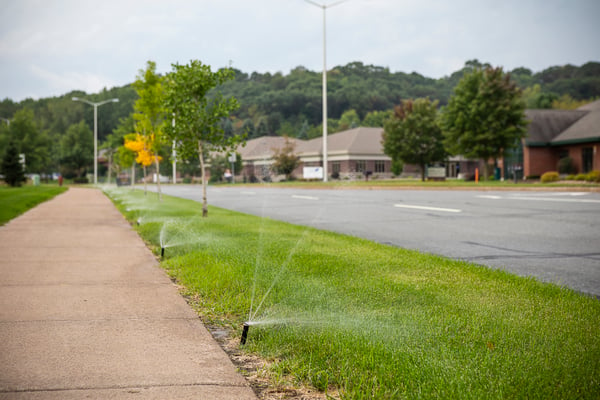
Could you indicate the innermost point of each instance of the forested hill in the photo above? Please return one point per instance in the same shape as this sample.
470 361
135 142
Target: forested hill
276 104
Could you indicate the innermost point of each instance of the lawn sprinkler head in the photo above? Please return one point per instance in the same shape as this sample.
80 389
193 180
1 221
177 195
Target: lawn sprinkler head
139 221
162 252
245 333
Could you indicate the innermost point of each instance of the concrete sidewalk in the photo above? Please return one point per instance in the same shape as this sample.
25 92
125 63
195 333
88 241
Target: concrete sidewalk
86 312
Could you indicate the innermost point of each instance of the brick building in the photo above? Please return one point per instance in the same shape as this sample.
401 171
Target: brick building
350 154
556 134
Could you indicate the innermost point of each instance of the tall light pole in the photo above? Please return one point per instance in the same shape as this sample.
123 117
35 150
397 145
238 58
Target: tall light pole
96 105
174 155
325 7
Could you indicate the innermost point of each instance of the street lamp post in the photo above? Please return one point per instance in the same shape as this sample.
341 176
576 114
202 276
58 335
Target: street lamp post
95 105
325 7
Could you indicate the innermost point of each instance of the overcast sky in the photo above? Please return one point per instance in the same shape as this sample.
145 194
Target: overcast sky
50 47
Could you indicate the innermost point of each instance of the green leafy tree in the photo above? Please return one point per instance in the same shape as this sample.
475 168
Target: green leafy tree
77 149
413 134
285 161
30 141
125 158
197 126
11 167
566 102
377 118
115 148
485 116
349 120
149 112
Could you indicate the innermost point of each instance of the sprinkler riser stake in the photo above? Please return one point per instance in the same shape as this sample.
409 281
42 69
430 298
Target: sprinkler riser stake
245 333
162 252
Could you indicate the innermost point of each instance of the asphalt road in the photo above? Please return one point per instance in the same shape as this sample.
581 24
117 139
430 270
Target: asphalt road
554 236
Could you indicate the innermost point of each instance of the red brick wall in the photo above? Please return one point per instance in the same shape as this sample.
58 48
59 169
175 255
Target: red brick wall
538 160
575 152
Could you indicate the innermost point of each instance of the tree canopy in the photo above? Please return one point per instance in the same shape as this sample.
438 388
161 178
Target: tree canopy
11 167
485 116
198 117
413 135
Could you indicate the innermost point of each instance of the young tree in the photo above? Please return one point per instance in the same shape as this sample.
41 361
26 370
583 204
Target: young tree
149 114
77 149
119 156
142 147
284 159
11 167
197 125
413 134
485 116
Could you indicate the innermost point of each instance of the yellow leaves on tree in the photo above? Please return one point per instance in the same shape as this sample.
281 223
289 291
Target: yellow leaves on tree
142 146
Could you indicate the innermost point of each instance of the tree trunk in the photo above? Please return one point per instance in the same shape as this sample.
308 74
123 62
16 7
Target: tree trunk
204 201
158 178
422 172
132 174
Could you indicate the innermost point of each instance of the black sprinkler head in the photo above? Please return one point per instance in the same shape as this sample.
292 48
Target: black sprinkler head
162 252
245 333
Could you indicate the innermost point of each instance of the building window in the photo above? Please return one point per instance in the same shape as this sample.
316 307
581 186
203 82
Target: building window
379 166
335 167
587 159
361 166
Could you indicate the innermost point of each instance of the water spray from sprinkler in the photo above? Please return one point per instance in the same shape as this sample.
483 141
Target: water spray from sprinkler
245 333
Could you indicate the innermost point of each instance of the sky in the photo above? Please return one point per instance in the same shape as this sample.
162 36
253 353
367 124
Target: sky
51 47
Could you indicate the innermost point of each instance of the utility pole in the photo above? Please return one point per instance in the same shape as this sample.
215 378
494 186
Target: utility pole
325 7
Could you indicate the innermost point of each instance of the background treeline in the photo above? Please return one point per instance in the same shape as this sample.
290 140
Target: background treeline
278 104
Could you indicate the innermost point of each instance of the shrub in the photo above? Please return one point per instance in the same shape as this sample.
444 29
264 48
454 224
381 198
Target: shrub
570 177
548 177
565 166
82 179
580 177
593 176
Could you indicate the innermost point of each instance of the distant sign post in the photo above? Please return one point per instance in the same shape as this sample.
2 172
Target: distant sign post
232 159
436 173
312 172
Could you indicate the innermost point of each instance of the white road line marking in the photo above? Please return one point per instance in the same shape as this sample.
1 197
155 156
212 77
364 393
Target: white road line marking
551 194
295 196
451 210
489 196
560 200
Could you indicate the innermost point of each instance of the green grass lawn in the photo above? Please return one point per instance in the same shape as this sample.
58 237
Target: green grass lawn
15 201
370 321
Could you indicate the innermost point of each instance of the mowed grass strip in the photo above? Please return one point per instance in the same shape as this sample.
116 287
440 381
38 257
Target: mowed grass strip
374 321
15 201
